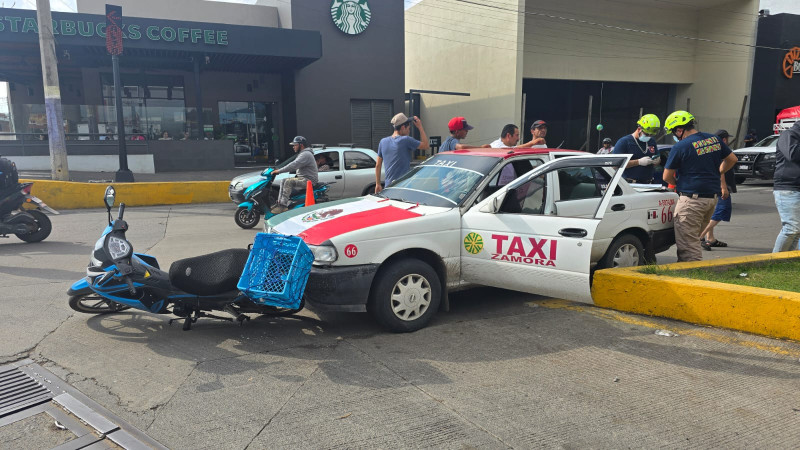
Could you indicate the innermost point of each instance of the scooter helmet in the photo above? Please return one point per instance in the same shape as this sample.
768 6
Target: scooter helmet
607 141
299 140
677 119
649 124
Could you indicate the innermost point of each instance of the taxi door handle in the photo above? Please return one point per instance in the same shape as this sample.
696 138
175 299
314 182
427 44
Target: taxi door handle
573 232
338 177
618 207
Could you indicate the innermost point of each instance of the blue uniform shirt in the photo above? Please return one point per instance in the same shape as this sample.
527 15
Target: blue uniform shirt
629 145
396 152
448 144
696 160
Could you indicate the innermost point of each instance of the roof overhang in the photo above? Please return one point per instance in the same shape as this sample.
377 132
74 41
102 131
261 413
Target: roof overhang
155 43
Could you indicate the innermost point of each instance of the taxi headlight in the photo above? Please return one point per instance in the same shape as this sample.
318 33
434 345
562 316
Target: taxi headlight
324 254
770 156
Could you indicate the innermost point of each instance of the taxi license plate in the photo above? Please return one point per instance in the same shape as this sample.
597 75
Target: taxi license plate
744 167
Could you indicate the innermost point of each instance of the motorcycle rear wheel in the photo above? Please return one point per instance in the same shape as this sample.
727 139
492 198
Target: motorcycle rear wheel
45 227
94 304
246 219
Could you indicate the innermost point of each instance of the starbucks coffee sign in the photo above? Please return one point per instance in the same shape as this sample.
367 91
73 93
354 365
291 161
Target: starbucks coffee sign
351 16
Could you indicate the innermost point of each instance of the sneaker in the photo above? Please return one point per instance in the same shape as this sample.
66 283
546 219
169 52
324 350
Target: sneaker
277 209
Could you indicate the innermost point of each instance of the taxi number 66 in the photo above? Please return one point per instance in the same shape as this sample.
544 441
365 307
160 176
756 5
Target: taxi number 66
666 214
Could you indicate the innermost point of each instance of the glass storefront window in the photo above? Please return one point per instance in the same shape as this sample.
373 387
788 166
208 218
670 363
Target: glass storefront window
153 105
251 126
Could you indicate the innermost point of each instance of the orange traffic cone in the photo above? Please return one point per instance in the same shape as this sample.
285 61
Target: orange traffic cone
309 193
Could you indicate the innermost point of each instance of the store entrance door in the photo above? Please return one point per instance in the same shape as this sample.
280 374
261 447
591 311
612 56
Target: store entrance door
252 128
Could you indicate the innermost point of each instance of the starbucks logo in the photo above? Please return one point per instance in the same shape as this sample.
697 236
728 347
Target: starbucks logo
473 243
351 16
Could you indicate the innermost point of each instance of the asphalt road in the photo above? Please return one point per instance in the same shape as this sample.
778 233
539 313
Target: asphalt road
500 370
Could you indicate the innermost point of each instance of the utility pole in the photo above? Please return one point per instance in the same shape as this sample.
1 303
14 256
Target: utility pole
59 168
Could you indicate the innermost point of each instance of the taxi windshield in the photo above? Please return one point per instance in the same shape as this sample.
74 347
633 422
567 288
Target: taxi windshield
444 180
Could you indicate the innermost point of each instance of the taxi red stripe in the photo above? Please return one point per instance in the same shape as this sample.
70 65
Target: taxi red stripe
318 234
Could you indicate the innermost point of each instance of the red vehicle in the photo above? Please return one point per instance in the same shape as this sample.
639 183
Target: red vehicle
758 161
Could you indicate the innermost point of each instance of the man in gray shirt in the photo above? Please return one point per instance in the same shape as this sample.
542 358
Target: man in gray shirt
306 168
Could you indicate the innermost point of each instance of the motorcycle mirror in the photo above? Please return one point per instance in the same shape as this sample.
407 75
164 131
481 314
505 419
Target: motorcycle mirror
110 197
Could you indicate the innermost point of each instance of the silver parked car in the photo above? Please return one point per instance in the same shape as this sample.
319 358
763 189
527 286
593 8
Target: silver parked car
351 172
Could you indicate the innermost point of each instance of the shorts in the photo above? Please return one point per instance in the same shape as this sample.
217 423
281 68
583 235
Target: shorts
722 213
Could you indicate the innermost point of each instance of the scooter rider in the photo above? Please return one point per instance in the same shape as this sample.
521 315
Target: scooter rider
306 168
641 145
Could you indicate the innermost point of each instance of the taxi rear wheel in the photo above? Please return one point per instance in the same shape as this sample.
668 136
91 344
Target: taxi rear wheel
405 296
626 251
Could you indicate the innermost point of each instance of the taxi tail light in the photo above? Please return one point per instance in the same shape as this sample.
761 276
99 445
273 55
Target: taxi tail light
27 189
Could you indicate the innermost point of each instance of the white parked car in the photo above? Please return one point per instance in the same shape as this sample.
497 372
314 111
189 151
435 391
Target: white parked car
351 174
520 219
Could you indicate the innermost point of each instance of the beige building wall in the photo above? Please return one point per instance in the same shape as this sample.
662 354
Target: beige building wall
461 47
264 14
489 51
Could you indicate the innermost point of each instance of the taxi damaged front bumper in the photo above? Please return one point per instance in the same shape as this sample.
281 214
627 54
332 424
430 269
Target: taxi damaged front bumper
340 288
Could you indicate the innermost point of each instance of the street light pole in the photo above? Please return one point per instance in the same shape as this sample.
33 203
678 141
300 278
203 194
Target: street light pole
59 169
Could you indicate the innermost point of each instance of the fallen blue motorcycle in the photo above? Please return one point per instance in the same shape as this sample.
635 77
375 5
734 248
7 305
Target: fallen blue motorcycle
260 197
268 278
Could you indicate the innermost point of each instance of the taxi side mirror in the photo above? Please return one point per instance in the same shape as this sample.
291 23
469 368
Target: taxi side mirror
493 206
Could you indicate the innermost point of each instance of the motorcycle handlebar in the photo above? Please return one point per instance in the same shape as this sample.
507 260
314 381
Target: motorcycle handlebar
121 210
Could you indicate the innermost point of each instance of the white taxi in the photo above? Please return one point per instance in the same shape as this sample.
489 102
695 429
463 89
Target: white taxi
520 219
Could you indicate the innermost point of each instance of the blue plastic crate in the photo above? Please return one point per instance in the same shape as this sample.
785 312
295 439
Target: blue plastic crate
277 270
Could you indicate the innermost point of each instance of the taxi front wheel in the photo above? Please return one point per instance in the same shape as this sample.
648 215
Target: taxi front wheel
405 296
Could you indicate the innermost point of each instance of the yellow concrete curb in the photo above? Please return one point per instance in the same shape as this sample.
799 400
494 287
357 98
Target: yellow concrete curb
754 310
71 195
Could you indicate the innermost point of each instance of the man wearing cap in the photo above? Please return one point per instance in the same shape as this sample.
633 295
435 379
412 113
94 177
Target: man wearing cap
642 148
306 168
458 130
539 132
722 212
396 150
606 148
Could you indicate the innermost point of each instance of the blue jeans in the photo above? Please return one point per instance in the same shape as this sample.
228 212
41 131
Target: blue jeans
788 204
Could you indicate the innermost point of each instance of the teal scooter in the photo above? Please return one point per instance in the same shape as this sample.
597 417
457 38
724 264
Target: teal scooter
261 196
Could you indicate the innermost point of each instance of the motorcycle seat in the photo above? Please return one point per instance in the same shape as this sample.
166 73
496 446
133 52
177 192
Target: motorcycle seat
211 274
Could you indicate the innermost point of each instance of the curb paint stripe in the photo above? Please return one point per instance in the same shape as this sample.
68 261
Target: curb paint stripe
73 195
761 311
352 222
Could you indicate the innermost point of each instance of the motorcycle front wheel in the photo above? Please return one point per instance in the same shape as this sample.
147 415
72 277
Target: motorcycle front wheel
246 219
43 230
94 304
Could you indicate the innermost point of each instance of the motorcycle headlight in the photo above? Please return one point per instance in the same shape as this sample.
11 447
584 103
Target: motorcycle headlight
118 248
324 254
238 185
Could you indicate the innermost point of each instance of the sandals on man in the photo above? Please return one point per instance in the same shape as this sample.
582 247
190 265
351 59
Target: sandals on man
705 244
716 243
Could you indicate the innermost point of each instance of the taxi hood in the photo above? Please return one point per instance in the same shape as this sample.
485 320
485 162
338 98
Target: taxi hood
319 223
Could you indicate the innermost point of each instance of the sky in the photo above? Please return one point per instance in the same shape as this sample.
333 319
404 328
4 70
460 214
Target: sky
774 6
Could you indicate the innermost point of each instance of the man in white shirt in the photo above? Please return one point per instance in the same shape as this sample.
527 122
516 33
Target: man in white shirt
509 137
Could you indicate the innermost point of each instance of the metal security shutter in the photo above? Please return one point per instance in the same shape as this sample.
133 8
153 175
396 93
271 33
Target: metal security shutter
361 123
381 118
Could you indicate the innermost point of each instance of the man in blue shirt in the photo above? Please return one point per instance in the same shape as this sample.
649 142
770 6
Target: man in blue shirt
700 161
396 150
643 147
